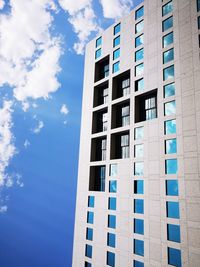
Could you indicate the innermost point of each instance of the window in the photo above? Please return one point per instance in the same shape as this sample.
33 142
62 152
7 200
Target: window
121 85
116 53
168 23
110 259
126 87
100 94
103 149
139 26
111 240
98 53
168 39
88 251
170 108
139 85
171 166
139 150
87 264
125 146
106 71
99 41
113 186
120 114
150 108
170 127
125 115
138 168
89 234
97 178
139 55
172 188
113 169
167 8
117 28
91 201
116 41
198 5
168 73
90 217
139 69
116 67
112 221
101 69
173 233
199 22
139 13
139 133
174 257
169 90
139 247
105 95
168 56
138 226
139 206
138 187
170 146
139 40
104 121
173 210
112 203
98 149
138 264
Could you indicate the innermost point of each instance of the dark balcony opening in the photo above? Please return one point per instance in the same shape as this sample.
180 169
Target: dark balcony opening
121 114
120 145
97 178
98 149
121 85
100 94
100 121
101 69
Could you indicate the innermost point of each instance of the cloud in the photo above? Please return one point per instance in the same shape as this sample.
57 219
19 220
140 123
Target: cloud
3 209
115 9
64 109
2 4
38 128
26 143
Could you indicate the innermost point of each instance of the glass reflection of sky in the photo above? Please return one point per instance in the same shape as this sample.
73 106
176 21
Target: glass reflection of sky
139 247
139 26
139 150
138 226
170 108
139 168
169 90
139 206
170 146
113 186
172 188
139 133
173 209
139 69
173 233
170 127
113 169
168 73
171 166
174 257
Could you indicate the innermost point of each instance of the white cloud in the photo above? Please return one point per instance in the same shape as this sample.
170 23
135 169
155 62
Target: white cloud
38 128
25 106
26 143
64 109
2 4
3 209
115 9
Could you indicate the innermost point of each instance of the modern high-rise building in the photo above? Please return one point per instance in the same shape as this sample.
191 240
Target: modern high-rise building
138 196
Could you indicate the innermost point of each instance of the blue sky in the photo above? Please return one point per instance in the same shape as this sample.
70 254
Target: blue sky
41 76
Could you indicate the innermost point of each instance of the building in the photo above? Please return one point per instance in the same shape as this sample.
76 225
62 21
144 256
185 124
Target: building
138 196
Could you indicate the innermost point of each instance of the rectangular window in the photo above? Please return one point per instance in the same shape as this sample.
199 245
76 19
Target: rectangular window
138 187
138 264
168 73
170 108
89 234
199 22
139 133
170 127
113 186
98 53
125 87
139 40
139 151
88 264
198 5
139 85
104 121
139 13
98 41
110 259
112 221
173 233
111 240
150 108
139 55
173 210
90 217
103 149
88 251
139 206
174 257
116 67
101 69
125 146
116 54
169 90
139 26
116 41
112 203
168 39
171 166
166 9
91 201
139 168
139 247
167 24
170 146
168 56
97 178
113 169
105 95
106 71
138 226
117 28
125 115
172 188
139 69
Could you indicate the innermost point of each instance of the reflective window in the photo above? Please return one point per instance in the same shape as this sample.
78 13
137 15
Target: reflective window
117 28
198 5
113 186
167 8
171 166
170 108
88 251
139 168
172 188
91 201
139 247
89 234
125 115
139 133
139 13
112 221
139 206
116 41
139 26
139 85
170 146
125 146
138 264
168 39
90 217
98 53
116 53
139 150
138 187
173 233
138 226
113 169
174 257
125 87
168 23
87 264
110 259
199 22
150 108
168 56
139 55
139 40
112 203
139 69
168 73
170 127
99 41
111 240
169 90
116 67
173 210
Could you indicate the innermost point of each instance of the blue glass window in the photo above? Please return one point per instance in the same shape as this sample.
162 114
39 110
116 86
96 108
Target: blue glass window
138 187
168 23
139 150
139 40
173 233
112 221
139 55
167 8
116 67
171 166
110 259
139 133
173 210
138 264
170 108
138 226
98 53
169 90
88 251
91 201
139 13
168 39
174 257
113 186
172 188
139 206
139 69
168 73
99 41
139 168
90 217
117 28
170 146
168 56
112 203
139 247
139 85
116 53
89 234
170 127
139 26
116 41
113 169
198 5
88 264
111 240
